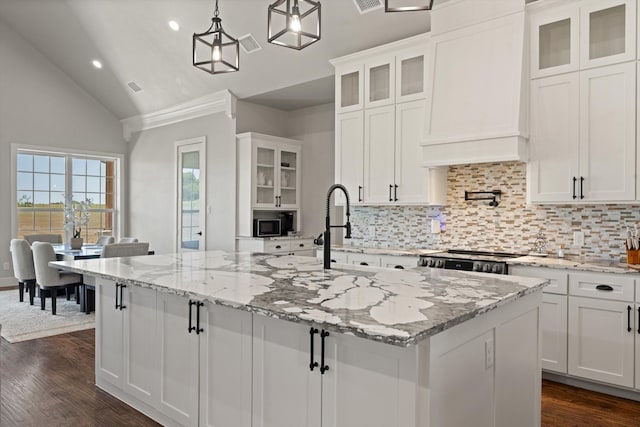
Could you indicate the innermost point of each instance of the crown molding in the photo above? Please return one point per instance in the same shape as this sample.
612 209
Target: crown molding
219 102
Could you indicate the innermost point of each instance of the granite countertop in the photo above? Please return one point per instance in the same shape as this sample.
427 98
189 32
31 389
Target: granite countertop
382 251
581 264
399 307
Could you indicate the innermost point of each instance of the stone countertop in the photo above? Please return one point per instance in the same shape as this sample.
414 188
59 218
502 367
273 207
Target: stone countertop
382 251
581 264
399 307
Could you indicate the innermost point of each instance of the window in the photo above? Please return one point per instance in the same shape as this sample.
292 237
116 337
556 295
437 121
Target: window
43 180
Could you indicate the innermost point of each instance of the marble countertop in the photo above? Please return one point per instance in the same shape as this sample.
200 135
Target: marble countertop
581 264
382 251
399 307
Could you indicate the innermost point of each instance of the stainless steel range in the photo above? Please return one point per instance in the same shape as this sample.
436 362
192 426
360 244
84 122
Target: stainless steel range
485 262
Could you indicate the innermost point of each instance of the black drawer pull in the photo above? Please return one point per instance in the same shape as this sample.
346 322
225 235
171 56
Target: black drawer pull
359 193
574 187
278 247
198 328
399 267
333 260
639 320
191 327
628 318
364 263
604 288
122 286
312 363
117 289
301 245
323 368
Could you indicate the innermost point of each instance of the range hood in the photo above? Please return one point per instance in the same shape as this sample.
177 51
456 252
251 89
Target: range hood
477 104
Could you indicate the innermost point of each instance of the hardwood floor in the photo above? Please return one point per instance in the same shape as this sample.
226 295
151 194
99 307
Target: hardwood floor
50 381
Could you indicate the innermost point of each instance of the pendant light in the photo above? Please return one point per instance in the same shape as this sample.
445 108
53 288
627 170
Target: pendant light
297 22
421 5
215 51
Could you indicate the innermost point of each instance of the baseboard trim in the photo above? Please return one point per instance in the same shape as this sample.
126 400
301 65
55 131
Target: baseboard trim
592 386
7 282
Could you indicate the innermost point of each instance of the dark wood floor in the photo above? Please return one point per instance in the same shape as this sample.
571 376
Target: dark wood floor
50 381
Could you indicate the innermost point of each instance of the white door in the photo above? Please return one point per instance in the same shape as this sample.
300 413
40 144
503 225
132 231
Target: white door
553 323
411 178
225 366
179 360
140 343
109 332
608 132
191 178
379 155
289 178
358 366
350 156
286 393
601 345
553 165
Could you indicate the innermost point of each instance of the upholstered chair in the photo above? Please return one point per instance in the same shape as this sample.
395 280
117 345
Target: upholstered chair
49 238
23 269
105 240
125 249
128 240
51 279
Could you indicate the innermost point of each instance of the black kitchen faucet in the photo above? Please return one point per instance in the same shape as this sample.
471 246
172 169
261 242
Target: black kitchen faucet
328 226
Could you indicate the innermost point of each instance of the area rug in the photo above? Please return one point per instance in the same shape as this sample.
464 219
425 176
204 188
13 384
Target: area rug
22 322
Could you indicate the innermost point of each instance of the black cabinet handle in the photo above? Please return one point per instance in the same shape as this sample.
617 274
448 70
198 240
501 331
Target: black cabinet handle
333 260
604 288
198 328
639 320
122 286
323 368
301 245
117 289
191 327
574 188
390 188
364 263
359 193
312 363
581 189
399 267
395 193
199 233
628 318
278 247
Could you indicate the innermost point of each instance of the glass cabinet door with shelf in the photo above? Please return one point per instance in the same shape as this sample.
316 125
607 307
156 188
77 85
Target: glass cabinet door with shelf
265 176
288 178
379 82
349 88
411 75
554 42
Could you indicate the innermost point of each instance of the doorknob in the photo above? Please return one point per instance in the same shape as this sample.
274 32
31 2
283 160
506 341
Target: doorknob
199 233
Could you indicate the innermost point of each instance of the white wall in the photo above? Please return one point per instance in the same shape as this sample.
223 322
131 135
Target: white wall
258 118
41 106
152 181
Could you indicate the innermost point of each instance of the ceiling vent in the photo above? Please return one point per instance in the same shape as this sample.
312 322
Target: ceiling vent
365 6
134 86
249 43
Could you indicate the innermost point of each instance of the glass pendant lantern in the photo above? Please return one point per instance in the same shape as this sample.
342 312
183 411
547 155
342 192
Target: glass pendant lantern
215 51
294 23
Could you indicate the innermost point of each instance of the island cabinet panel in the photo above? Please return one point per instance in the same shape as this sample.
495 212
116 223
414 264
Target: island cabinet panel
109 329
554 332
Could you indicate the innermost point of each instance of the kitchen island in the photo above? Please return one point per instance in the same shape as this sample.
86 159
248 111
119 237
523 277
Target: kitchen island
214 338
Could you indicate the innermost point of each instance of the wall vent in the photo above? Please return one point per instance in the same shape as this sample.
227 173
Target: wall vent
134 86
365 6
249 43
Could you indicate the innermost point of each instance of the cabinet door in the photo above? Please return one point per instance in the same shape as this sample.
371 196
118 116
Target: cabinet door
411 75
141 356
554 41
364 259
637 333
356 367
109 334
350 156
289 177
285 392
379 82
555 139
399 262
225 366
349 88
265 175
179 360
411 178
607 32
608 132
600 344
379 153
554 332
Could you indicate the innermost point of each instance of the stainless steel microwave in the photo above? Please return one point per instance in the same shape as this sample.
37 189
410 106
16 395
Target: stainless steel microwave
266 227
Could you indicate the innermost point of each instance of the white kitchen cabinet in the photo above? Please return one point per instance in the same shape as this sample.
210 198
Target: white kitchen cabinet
349 156
127 346
349 87
554 35
601 346
280 245
379 154
399 262
553 323
583 141
558 278
364 259
379 81
411 74
336 257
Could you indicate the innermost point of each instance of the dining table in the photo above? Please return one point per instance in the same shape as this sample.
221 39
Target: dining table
87 290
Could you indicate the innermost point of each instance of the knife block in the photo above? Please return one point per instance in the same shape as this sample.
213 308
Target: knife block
633 256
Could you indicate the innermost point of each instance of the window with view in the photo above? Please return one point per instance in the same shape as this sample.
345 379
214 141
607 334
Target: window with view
44 179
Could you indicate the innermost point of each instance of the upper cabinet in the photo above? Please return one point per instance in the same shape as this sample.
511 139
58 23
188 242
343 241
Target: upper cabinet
581 35
349 88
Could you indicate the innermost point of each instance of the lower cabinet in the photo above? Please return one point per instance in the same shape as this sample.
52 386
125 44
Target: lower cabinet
387 261
553 324
306 376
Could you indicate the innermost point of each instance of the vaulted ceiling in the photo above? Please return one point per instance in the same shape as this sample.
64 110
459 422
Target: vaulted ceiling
133 41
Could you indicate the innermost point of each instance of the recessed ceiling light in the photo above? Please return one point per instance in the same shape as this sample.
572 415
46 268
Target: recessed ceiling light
97 63
174 25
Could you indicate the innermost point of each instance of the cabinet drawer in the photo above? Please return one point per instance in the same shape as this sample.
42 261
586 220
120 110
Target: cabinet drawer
559 278
301 245
603 286
362 259
302 253
276 246
399 262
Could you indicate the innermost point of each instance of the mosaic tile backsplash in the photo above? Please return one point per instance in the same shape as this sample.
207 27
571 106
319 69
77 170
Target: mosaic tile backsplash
511 227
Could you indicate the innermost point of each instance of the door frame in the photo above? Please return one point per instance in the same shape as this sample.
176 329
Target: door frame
200 144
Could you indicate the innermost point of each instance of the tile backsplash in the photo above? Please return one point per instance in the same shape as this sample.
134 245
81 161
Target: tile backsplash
512 226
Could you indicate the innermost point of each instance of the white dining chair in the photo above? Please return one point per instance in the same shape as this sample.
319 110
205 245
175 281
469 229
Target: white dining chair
23 269
125 249
50 279
105 240
49 238
128 240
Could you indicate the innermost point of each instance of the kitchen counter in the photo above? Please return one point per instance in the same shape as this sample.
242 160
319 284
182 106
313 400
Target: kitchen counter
381 251
399 307
581 264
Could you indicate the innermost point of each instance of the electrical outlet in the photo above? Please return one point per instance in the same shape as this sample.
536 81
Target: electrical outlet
372 231
578 239
5 266
488 353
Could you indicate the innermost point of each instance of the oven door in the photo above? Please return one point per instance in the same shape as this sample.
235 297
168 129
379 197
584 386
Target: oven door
458 264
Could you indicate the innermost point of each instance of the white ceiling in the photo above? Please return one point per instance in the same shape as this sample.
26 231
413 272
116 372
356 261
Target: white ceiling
134 42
